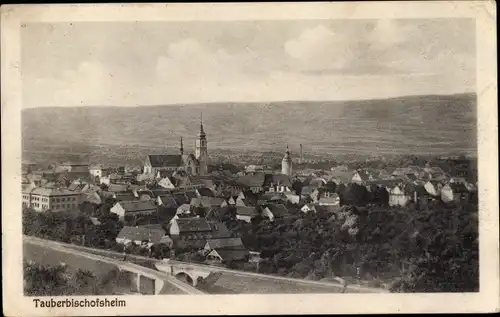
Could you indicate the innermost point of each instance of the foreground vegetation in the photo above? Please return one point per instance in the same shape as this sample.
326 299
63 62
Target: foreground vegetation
412 249
57 280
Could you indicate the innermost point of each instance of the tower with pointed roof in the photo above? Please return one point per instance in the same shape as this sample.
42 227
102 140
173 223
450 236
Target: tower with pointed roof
286 163
181 148
201 150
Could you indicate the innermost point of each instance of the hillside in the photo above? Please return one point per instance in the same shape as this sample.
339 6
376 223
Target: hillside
414 124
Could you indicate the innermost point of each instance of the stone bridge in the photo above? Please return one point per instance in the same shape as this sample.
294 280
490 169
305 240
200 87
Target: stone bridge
143 280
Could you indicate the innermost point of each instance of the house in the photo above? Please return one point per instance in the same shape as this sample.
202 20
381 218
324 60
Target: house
328 209
193 233
167 201
110 179
204 192
317 182
246 213
329 200
255 183
54 199
207 202
228 255
292 198
142 236
125 196
398 196
307 192
184 209
74 167
27 167
361 176
340 177
308 208
272 197
118 188
433 188
78 185
279 183
167 182
273 211
96 170
133 208
225 243
188 182
454 192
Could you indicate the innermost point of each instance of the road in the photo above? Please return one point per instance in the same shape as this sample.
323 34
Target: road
233 281
75 257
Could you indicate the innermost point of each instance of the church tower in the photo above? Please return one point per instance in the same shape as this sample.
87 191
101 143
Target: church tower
201 150
181 148
286 163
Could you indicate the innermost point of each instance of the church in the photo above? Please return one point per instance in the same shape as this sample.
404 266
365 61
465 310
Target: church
194 164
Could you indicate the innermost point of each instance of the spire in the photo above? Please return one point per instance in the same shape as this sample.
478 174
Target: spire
182 147
201 122
202 133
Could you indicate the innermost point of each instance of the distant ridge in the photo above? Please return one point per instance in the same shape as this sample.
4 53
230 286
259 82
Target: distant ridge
458 95
411 124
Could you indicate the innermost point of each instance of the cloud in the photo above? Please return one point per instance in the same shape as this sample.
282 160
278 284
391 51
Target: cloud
319 48
89 84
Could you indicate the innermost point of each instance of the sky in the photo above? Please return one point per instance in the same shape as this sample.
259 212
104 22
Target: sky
178 62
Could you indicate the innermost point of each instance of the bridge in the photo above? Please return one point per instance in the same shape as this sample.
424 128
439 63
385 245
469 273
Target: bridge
145 280
208 274
211 278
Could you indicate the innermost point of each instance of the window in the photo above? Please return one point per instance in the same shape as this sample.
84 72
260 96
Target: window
63 199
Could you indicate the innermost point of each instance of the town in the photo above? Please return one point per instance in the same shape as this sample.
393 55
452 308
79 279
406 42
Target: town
297 222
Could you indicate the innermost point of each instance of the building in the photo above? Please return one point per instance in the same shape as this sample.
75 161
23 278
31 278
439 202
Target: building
74 167
246 213
193 233
193 164
54 199
133 208
226 250
273 211
201 150
286 163
142 236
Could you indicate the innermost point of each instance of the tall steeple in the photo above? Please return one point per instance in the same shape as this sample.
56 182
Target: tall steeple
201 149
201 133
286 163
182 147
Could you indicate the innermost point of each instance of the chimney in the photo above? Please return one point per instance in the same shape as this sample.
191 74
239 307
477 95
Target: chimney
301 154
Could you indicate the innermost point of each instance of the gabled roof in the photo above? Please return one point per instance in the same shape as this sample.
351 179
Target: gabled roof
246 211
307 190
458 187
116 188
127 196
162 160
187 225
364 175
205 192
141 234
206 201
278 210
256 180
328 209
168 201
53 192
230 255
137 205
224 243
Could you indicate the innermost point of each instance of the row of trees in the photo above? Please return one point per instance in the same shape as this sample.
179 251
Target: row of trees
431 249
